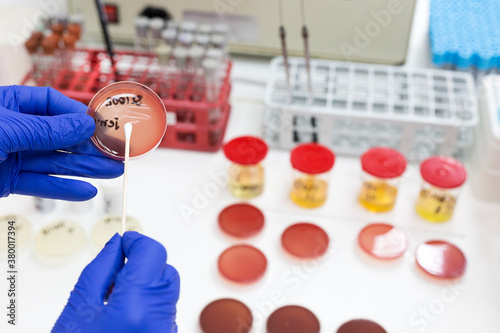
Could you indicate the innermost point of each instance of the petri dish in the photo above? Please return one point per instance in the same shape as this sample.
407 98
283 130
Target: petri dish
60 241
241 220
22 231
305 240
127 102
361 326
383 241
226 315
441 259
242 264
109 226
291 319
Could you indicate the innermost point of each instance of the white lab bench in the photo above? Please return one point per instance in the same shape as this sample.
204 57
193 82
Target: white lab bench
342 285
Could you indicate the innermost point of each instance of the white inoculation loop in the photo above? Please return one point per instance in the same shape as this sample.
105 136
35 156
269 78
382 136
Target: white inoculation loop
127 128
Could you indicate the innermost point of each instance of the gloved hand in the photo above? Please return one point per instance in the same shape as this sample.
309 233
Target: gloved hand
35 123
143 297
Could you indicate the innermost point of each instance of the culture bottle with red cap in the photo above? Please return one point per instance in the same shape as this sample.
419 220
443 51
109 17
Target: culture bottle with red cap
382 168
442 179
311 163
246 174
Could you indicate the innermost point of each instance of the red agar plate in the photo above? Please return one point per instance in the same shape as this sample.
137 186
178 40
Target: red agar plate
127 102
226 315
383 241
242 263
241 220
305 240
292 319
441 259
361 326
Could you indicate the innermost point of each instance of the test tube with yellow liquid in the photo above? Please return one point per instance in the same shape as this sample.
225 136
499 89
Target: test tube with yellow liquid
382 169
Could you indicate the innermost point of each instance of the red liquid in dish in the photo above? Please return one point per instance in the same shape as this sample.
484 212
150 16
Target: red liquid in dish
242 263
383 241
361 326
123 102
305 240
241 220
292 319
226 315
441 259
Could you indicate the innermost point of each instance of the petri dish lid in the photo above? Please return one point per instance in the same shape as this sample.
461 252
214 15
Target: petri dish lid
312 158
441 259
226 315
109 226
443 172
127 102
291 319
22 228
383 241
361 325
241 220
60 240
383 162
242 264
305 240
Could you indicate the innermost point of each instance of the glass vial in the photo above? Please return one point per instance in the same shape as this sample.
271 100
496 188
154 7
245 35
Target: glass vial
442 179
382 168
311 163
246 174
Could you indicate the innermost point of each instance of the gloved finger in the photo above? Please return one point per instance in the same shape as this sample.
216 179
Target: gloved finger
43 101
68 164
86 148
44 186
171 277
146 260
21 132
97 278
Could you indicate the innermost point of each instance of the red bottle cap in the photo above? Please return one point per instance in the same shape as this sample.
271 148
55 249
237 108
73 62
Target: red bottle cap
246 150
305 240
383 241
241 220
443 172
383 162
312 158
242 263
441 259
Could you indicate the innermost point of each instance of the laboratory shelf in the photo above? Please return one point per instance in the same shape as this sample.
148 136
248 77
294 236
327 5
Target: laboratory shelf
193 122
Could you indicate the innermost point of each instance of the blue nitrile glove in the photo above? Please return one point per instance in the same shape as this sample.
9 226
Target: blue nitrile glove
143 297
34 123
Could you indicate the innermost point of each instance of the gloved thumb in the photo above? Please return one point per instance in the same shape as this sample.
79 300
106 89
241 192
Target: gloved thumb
22 132
98 277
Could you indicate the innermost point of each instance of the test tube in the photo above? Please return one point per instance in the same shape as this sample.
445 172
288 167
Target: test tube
442 180
382 169
196 72
212 87
69 41
205 29
186 39
169 36
32 46
220 42
180 56
49 46
189 26
202 40
311 163
173 25
246 173
156 26
141 32
164 52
